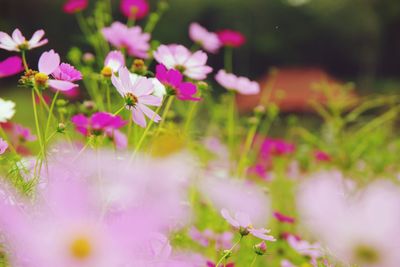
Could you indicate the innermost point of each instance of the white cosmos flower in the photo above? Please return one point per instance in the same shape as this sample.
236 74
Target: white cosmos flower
7 110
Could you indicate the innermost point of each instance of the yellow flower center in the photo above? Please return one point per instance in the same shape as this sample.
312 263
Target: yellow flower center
80 248
130 100
41 78
107 71
365 254
24 46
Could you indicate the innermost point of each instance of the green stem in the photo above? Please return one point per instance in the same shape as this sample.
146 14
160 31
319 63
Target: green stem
35 113
51 112
253 261
189 118
108 93
228 59
247 146
165 112
119 110
231 123
142 138
228 252
23 53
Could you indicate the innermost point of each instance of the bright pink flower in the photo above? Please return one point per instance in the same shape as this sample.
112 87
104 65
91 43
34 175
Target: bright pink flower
212 264
173 81
49 63
137 93
133 39
208 40
10 66
283 218
322 156
192 65
231 38
259 170
66 72
3 146
17 41
134 9
276 147
239 84
241 221
23 134
74 6
98 123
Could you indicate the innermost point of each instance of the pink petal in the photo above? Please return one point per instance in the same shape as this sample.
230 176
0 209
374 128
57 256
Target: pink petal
227 216
11 66
49 62
150 113
7 42
151 100
138 117
61 85
36 37
18 37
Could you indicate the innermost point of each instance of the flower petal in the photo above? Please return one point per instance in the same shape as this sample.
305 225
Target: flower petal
138 117
49 62
61 85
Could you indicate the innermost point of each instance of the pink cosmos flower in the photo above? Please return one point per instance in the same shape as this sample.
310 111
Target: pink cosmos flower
322 156
208 40
134 9
10 66
231 38
74 6
222 241
241 221
241 85
3 146
23 134
314 251
212 264
137 94
17 41
97 123
283 218
173 81
192 65
132 39
259 170
113 62
276 147
49 63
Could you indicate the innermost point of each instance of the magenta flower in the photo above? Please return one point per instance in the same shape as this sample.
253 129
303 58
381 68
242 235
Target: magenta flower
113 62
322 156
242 85
134 9
241 221
283 218
132 39
173 81
17 41
98 123
192 65
3 146
137 93
49 64
10 66
276 147
23 134
231 38
208 40
74 6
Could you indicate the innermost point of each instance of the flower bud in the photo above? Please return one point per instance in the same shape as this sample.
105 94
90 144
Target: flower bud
260 248
139 67
61 127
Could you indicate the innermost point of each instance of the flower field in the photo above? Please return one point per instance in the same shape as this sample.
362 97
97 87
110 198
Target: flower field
135 152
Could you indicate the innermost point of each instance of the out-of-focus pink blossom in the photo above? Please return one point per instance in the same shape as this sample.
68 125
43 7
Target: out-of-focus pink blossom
242 85
74 6
314 251
259 170
113 62
231 38
22 134
49 63
276 147
222 241
283 218
134 9
11 66
132 39
208 40
242 222
98 123
173 81
3 146
287 263
212 264
192 65
322 156
17 42
137 93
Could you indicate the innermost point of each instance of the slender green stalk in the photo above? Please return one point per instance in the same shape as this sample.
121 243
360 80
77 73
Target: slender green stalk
165 112
142 138
108 95
119 110
253 261
228 252
247 146
189 118
228 59
51 112
35 113
231 123
23 54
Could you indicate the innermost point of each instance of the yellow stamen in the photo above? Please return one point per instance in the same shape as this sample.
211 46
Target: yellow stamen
107 71
80 248
41 78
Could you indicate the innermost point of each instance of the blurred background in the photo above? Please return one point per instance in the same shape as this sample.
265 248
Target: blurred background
348 40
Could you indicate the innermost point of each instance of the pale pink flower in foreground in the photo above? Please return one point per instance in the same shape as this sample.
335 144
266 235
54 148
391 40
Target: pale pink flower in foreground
49 65
242 85
7 110
11 66
3 146
137 95
356 226
113 62
133 39
208 40
17 41
192 65
242 222
303 247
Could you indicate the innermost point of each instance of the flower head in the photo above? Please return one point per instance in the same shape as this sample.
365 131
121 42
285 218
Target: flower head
173 80
231 38
10 66
132 39
113 62
3 146
74 6
208 40
137 93
283 218
276 147
322 156
98 123
64 74
192 65
23 134
7 110
242 85
134 9
241 221
17 41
